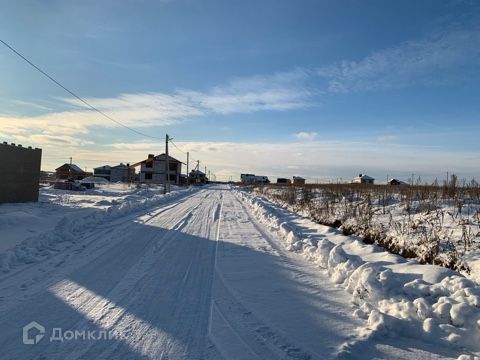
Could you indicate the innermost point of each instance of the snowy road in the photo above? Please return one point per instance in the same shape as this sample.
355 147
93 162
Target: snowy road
196 278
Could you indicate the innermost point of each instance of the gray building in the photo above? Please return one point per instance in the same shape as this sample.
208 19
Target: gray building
122 173
20 173
103 171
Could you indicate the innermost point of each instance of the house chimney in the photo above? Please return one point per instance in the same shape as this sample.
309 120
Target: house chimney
150 156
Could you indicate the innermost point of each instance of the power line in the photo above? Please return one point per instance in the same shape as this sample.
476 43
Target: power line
171 141
75 95
183 152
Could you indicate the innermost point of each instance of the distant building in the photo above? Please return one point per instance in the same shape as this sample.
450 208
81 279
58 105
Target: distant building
70 171
152 169
254 179
197 177
247 178
47 176
118 173
284 181
122 173
395 182
104 171
20 169
363 179
298 180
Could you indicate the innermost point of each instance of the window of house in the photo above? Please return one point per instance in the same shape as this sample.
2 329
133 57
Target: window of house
148 176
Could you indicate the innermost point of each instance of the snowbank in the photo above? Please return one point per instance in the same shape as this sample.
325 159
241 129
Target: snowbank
95 180
68 224
393 294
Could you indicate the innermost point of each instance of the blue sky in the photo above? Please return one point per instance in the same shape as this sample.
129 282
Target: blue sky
324 89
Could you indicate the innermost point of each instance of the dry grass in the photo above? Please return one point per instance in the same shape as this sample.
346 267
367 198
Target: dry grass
433 224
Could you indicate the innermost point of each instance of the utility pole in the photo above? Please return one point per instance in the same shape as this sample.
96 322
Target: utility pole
166 184
188 162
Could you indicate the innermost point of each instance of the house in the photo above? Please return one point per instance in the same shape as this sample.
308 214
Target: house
395 182
70 171
152 169
284 181
197 177
298 180
20 169
104 171
363 179
122 173
247 178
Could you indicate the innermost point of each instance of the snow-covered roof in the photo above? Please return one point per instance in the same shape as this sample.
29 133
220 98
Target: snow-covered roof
397 181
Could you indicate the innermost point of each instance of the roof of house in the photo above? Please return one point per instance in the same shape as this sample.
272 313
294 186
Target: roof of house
71 167
397 181
298 178
157 157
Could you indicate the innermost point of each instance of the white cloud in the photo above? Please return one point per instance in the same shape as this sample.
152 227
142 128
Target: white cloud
304 135
137 146
278 92
49 140
404 64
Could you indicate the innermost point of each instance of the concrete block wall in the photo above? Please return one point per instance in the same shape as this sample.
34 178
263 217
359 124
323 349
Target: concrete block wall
19 173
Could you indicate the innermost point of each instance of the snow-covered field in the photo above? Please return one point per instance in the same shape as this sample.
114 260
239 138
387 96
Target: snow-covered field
430 224
214 273
32 231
